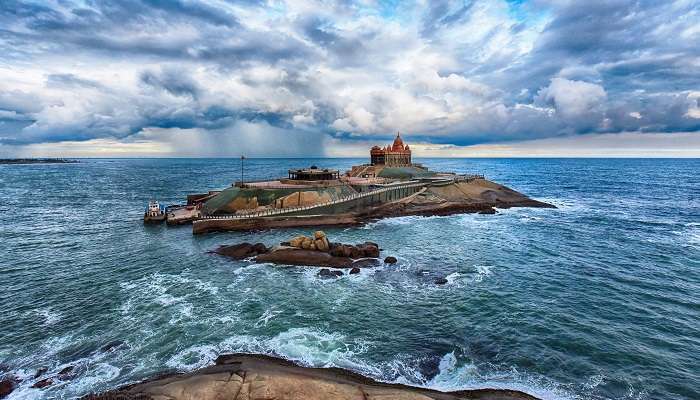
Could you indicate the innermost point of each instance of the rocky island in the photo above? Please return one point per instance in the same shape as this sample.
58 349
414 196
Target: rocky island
313 251
390 185
258 377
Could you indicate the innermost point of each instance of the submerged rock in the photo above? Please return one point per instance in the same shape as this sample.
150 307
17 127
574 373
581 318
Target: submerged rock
490 210
390 260
440 281
111 345
40 371
43 383
66 373
327 273
354 270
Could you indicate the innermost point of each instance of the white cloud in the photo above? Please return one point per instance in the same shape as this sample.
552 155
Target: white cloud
481 72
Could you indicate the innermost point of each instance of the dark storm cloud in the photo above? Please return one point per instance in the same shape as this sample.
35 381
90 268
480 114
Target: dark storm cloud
174 81
620 39
114 27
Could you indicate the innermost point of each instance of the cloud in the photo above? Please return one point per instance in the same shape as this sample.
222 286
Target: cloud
443 72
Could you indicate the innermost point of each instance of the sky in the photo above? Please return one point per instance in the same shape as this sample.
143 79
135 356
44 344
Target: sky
292 78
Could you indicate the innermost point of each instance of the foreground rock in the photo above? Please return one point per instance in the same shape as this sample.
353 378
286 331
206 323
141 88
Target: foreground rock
7 385
315 251
256 377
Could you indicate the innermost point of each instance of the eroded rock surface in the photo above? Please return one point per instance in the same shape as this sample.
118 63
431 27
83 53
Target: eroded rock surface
242 250
255 377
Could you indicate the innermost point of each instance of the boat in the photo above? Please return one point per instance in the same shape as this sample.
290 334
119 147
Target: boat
155 213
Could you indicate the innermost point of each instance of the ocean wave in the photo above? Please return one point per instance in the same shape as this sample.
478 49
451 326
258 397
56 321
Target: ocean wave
455 374
317 348
49 315
307 346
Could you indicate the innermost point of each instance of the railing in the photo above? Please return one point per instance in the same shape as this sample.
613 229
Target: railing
288 210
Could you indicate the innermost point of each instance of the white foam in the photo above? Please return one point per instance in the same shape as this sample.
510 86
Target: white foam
50 316
453 277
269 314
482 272
453 375
193 358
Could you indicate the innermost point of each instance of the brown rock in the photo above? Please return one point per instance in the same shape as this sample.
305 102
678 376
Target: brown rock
259 248
306 243
489 210
43 383
241 376
237 251
354 270
390 260
369 250
337 250
7 386
355 253
296 242
304 257
321 244
319 235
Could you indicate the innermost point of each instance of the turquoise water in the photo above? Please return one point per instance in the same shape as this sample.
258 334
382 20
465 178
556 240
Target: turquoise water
597 299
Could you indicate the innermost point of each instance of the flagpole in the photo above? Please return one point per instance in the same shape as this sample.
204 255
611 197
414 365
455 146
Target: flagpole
242 158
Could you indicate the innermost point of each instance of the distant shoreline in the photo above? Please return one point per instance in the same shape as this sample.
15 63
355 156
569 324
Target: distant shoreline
11 161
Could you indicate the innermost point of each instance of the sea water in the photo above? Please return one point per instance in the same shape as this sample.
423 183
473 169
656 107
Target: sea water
597 299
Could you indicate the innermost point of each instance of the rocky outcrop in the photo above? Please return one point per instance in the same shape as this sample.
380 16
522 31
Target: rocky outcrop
315 250
7 385
301 257
256 377
242 250
252 224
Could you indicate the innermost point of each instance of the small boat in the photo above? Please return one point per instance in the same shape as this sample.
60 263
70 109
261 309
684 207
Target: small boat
155 213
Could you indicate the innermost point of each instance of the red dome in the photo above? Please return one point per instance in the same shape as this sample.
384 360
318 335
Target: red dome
398 144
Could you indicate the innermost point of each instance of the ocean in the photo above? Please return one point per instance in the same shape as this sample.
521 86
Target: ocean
597 299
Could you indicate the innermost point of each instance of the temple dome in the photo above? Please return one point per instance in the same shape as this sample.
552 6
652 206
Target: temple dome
398 143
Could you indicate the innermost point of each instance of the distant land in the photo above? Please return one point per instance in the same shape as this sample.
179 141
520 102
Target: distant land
37 161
